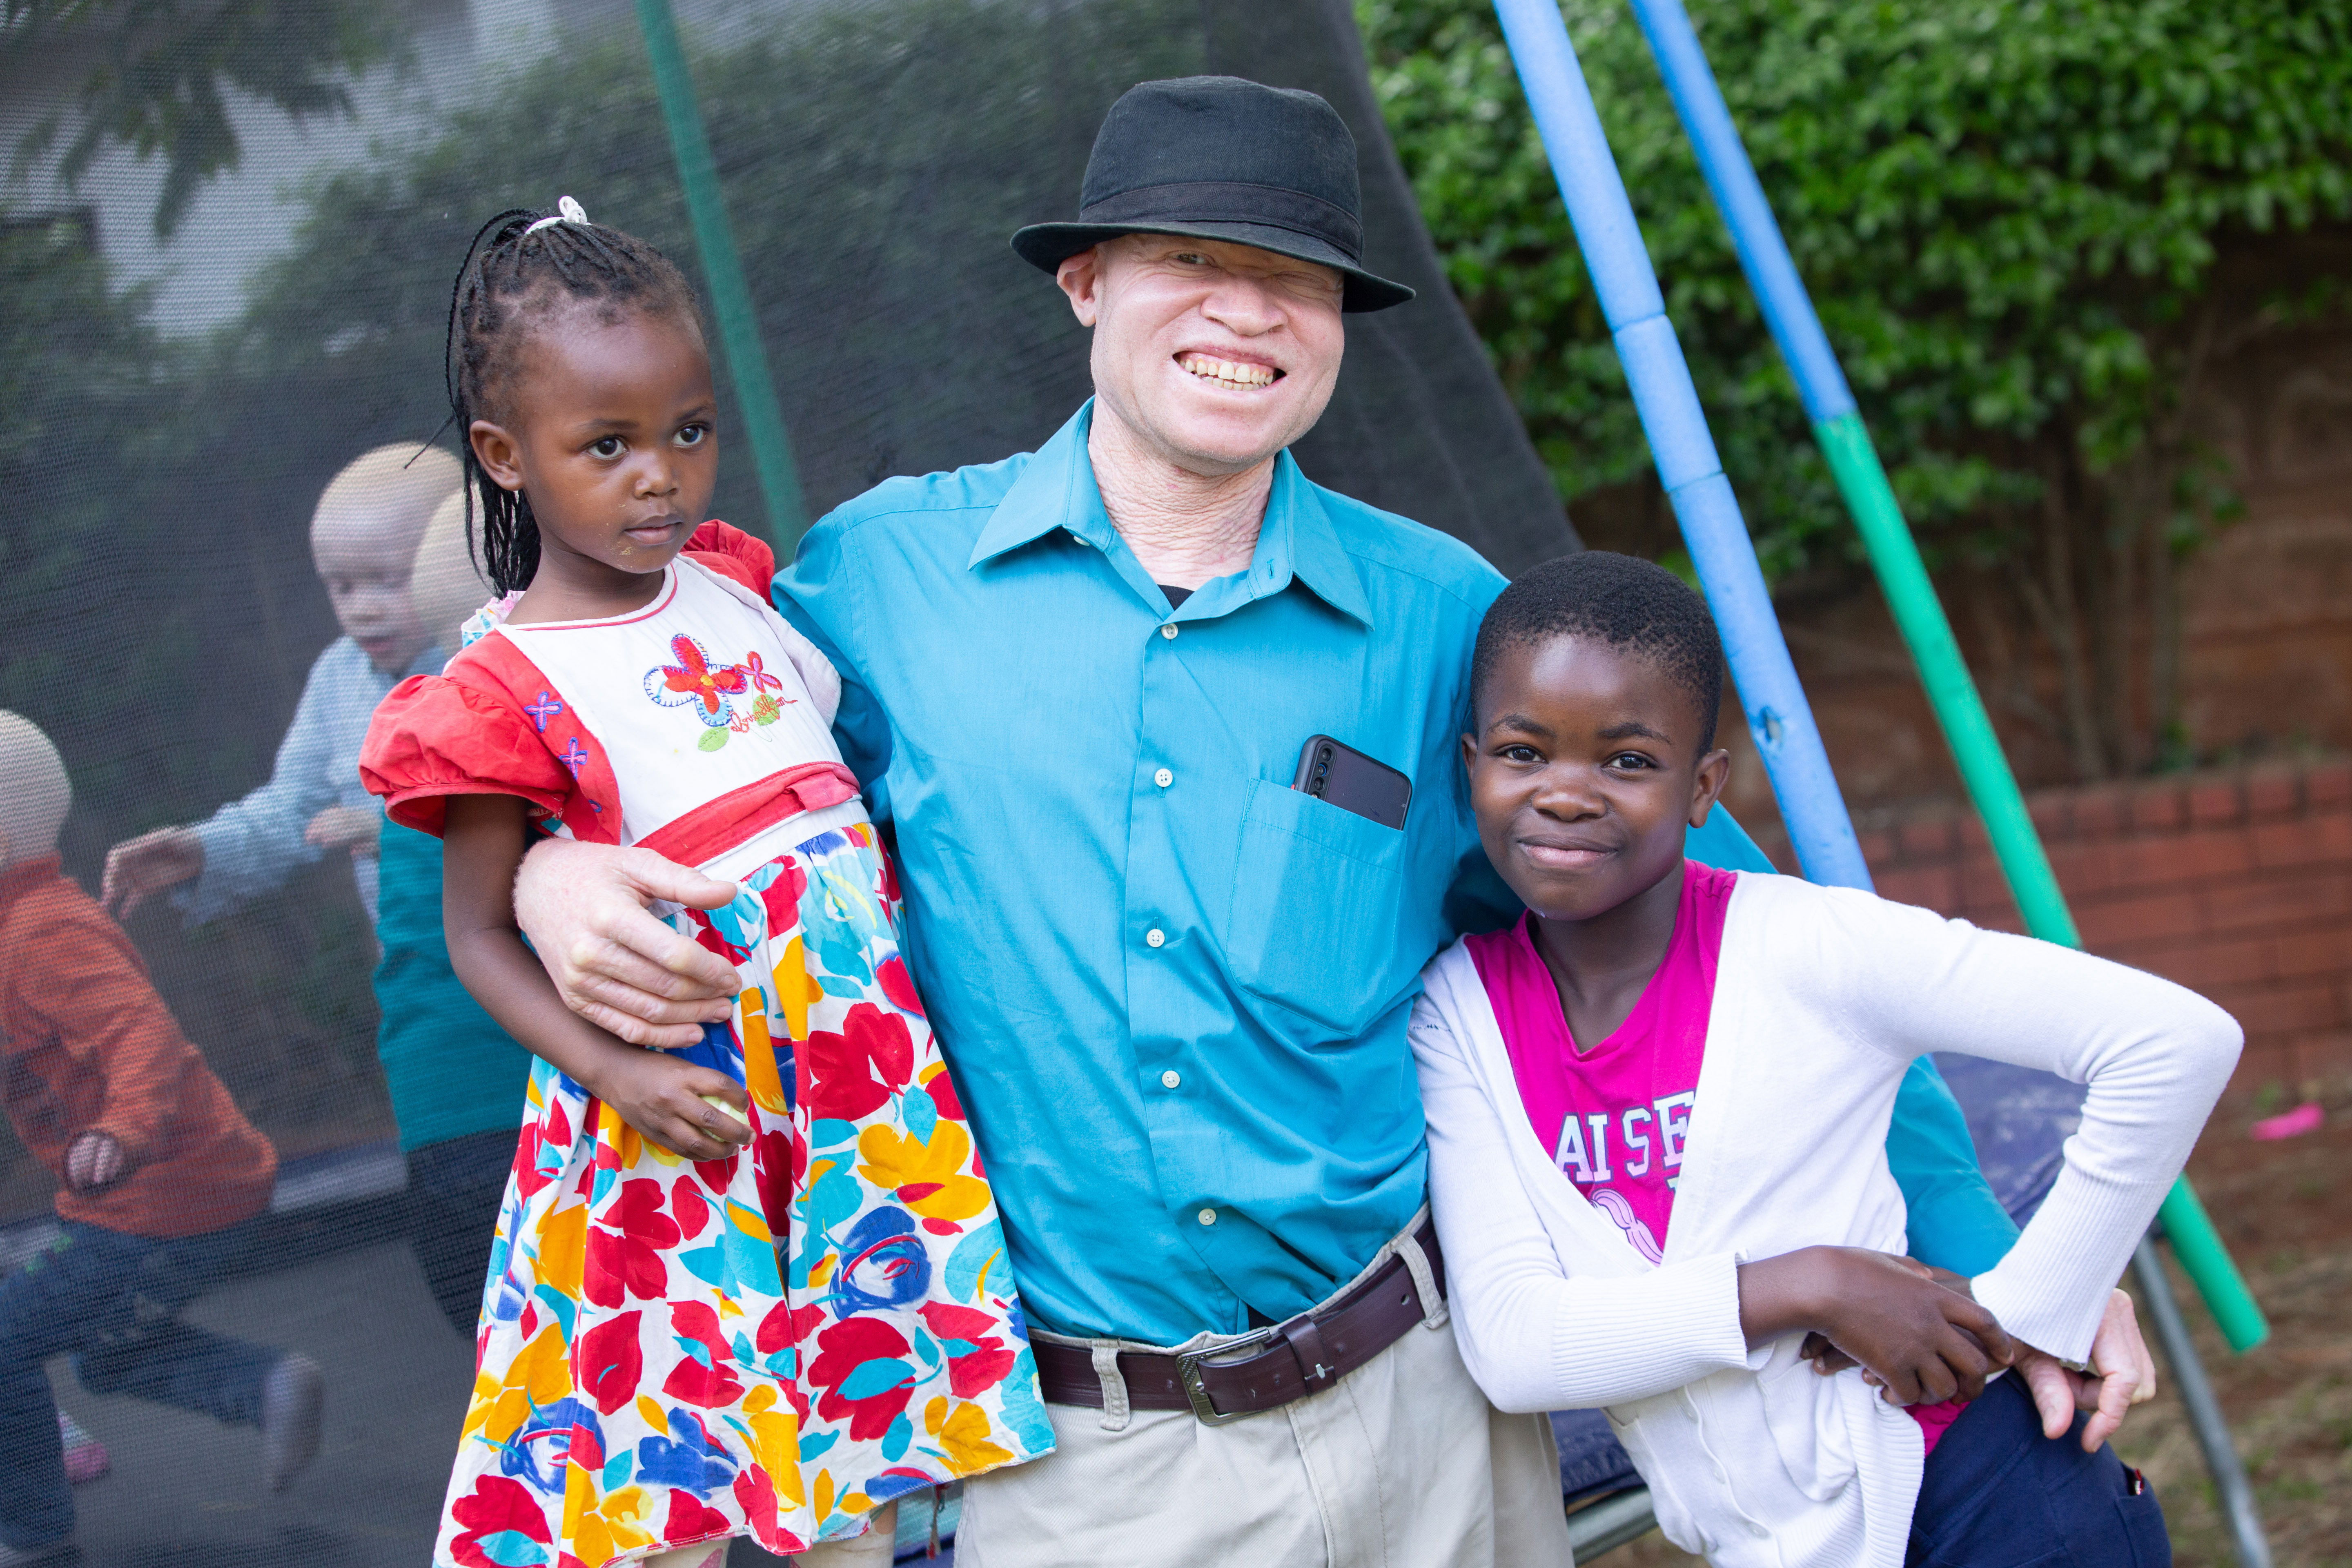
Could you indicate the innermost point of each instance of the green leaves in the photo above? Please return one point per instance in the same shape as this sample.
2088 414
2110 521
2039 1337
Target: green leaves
153 71
2010 216
2001 211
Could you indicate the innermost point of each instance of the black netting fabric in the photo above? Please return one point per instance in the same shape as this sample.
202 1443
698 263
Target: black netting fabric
249 1174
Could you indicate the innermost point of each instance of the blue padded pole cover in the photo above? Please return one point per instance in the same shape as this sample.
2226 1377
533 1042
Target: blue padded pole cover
1778 714
1763 254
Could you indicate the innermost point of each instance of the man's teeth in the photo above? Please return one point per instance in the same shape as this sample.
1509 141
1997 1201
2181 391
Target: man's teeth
1226 372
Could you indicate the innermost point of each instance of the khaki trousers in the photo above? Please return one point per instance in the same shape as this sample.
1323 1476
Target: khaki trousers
1400 1464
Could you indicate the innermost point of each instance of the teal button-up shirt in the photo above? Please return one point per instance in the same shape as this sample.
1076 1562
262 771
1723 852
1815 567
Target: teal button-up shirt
1173 990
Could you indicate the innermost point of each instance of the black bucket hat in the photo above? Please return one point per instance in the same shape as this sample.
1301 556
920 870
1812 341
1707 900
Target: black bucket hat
1215 157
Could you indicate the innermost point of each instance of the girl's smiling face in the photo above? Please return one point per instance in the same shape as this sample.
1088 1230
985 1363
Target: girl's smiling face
1588 764
610 433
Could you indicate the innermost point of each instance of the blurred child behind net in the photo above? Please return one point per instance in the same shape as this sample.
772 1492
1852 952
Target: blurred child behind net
160 1179
756 1287
363 536
456 1078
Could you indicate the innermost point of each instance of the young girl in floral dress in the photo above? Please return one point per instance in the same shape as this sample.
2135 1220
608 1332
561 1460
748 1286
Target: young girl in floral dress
756 1287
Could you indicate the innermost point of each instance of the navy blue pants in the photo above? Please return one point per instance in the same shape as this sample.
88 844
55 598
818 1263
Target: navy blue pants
1997 1494
114 1300
455 1188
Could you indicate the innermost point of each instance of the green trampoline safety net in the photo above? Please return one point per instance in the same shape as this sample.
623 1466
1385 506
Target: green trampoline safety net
227 231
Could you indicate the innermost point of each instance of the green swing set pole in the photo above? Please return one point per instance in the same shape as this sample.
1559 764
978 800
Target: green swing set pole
722 268
1895 555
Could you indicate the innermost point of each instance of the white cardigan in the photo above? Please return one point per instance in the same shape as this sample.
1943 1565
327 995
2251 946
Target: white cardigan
1822 998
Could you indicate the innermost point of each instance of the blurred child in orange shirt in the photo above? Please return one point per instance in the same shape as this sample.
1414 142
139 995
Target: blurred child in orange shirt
161 1177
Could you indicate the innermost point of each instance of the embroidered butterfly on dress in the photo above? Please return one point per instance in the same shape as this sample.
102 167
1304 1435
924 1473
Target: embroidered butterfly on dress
695 681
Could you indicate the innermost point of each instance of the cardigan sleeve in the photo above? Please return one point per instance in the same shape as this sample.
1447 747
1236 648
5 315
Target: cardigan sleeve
433 737
2155 1054
1534 1335
1955 1222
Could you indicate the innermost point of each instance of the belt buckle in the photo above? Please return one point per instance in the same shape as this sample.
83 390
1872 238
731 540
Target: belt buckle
1188 1371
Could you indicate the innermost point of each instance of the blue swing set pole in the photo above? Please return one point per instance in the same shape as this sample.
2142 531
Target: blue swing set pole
1845 441
1692 476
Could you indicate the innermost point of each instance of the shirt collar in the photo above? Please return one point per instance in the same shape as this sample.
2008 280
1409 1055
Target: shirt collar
1057 491
1316 557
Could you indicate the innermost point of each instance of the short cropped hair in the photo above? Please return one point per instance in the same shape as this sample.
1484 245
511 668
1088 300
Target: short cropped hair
35 793
1621 600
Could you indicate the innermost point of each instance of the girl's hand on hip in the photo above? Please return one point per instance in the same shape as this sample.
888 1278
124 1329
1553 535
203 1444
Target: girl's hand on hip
584 908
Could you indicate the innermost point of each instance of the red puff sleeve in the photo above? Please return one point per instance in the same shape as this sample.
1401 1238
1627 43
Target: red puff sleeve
433 737
734 554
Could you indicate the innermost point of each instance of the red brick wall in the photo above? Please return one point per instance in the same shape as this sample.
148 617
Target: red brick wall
2238 885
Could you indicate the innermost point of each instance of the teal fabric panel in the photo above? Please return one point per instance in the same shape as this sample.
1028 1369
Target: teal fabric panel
452 1071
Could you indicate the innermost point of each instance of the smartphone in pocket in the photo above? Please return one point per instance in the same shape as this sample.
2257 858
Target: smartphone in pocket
1338 775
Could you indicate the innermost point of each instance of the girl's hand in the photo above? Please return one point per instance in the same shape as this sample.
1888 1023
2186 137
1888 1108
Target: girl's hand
1829 1361
2122 1373
1925 1342
669 1101
138 870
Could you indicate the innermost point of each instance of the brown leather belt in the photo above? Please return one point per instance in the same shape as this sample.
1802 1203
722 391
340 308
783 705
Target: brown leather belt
1288 1361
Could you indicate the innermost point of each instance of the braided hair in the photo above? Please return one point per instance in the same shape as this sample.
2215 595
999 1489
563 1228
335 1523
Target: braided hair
521 267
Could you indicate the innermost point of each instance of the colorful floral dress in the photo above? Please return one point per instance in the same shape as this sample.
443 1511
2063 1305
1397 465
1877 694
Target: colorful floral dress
775 1344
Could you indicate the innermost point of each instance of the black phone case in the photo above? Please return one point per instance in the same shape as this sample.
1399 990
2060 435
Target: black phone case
1338 774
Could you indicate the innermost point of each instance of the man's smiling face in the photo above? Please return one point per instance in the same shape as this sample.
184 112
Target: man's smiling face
1216 355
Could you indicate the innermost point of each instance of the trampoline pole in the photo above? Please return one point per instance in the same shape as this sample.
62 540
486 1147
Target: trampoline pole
1688 470
722 268
1903 575
2230 1488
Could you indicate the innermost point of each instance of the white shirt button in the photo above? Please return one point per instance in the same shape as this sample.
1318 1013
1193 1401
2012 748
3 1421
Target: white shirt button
1155 937
1170 1078
1168 631
1208 1217
1164 778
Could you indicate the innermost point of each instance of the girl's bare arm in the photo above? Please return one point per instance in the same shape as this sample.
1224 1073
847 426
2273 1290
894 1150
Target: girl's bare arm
660 1096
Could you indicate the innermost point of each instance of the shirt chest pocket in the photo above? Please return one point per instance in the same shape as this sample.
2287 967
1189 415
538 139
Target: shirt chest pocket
1312 924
